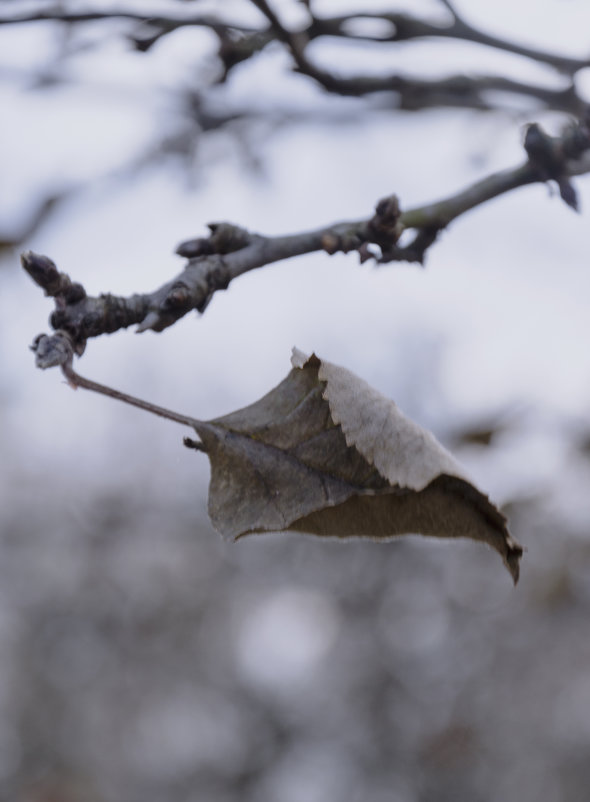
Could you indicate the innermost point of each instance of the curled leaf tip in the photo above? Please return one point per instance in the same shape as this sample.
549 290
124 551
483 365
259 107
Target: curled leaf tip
298 358
514 552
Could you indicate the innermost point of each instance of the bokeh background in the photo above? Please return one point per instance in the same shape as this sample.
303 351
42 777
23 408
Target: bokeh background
141 657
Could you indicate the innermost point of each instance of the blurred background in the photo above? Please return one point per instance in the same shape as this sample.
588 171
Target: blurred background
141 657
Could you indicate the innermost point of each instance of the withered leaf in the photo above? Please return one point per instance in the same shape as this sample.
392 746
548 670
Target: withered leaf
325 453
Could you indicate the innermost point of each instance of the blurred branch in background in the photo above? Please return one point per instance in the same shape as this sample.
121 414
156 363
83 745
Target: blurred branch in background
39 215
200 108
413 94
238 42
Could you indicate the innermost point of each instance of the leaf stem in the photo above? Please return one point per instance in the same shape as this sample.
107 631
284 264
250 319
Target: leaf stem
75 381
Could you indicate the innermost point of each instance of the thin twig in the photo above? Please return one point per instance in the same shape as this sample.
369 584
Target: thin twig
406 27
239 42
168 23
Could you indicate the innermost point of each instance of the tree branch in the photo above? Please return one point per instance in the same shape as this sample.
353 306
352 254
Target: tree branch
407 27
454 91
238 42
461 91
230 251
167 23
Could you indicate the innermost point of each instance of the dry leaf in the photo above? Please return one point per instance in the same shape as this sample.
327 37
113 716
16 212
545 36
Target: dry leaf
327 454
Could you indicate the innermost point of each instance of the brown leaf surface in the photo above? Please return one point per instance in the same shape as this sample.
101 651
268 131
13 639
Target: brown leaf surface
325 453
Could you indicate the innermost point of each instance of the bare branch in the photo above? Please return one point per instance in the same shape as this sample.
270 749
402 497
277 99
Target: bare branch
238 42
459 91
406 27
230 251
167 23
